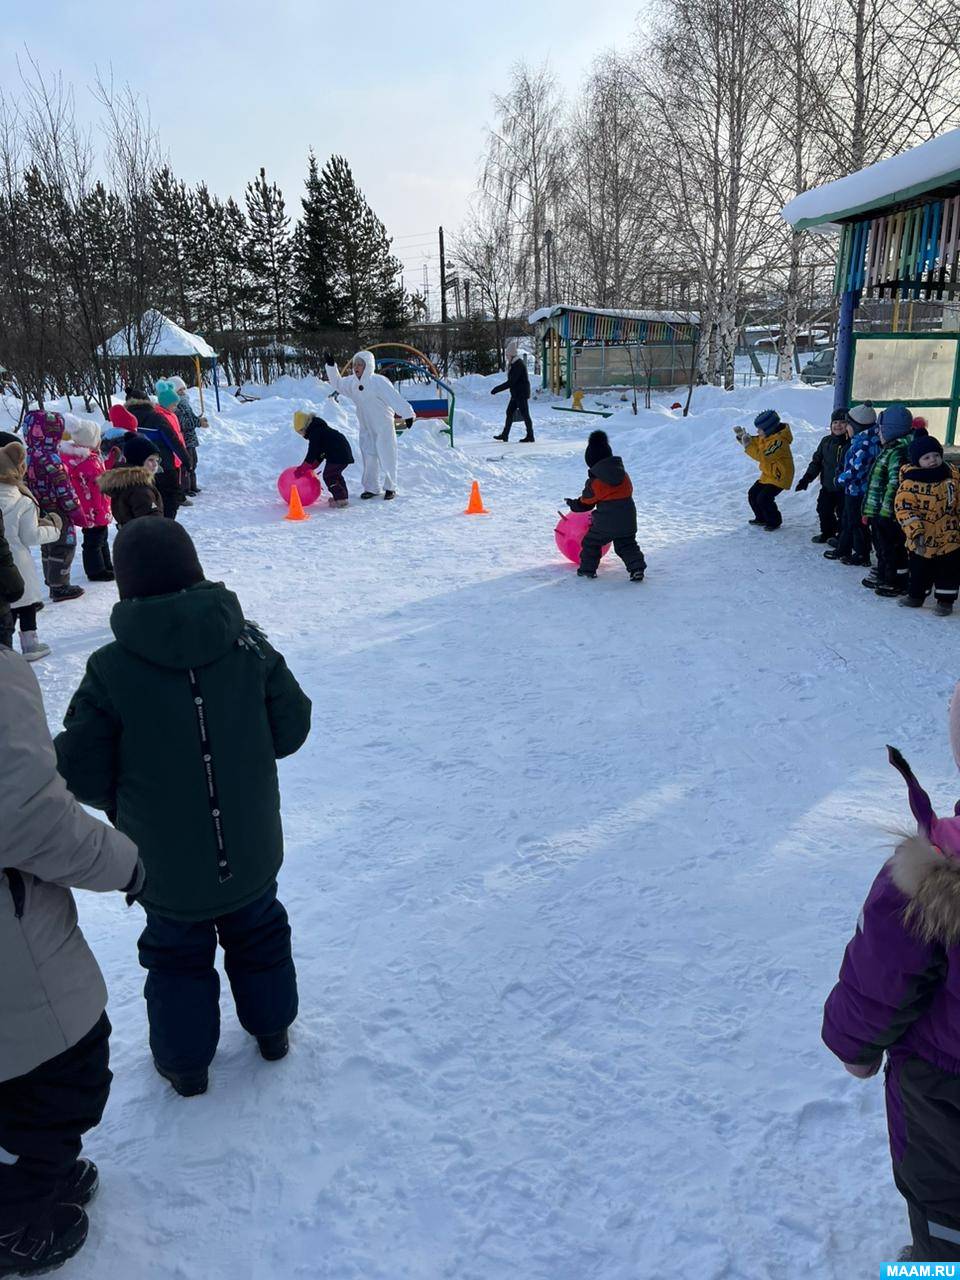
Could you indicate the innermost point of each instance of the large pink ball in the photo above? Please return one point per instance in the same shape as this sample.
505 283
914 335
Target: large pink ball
570 532
308 486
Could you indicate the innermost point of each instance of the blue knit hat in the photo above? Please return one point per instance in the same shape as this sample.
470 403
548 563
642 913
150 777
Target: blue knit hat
895 421
924 443
767 422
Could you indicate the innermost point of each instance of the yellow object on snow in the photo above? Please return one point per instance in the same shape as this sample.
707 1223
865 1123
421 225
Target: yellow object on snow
774 455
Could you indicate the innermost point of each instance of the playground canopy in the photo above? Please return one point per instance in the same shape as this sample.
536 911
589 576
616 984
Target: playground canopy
595 347
155 337
899 239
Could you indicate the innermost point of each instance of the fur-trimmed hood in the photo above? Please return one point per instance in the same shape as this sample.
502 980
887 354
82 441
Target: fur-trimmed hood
123 478
930 881
143 402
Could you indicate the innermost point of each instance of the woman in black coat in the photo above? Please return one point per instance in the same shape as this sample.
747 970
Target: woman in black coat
518 384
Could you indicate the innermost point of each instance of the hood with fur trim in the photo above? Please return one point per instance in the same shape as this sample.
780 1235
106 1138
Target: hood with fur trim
123 478
930 881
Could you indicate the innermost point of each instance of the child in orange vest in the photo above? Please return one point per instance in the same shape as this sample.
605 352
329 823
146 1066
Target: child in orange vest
608 493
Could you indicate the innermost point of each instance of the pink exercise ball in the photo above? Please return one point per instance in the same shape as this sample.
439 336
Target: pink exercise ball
308 486
570 532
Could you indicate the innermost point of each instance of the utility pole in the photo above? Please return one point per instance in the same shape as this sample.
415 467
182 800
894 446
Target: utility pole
444 349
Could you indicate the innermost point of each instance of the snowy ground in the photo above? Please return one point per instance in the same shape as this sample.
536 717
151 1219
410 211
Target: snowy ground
570 864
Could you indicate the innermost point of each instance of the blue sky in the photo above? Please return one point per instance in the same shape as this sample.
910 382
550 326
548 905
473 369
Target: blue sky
403 91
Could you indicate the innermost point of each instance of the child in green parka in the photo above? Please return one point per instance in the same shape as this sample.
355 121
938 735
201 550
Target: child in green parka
896 426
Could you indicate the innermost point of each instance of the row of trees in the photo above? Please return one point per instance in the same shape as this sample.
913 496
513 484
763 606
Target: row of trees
661 184
92 238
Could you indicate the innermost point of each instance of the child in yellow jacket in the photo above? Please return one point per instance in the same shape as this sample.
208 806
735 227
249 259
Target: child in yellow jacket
927 507
770 447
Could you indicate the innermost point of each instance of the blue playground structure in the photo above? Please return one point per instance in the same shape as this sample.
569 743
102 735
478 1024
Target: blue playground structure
415 367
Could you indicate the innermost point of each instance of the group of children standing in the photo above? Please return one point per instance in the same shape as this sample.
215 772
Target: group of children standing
63 481
885 488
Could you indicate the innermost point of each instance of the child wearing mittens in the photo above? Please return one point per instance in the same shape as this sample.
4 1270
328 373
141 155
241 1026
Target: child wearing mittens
84 463
328 445
770 448
608 493
48 481
898 994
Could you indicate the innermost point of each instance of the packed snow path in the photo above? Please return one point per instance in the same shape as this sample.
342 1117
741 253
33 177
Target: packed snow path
570 867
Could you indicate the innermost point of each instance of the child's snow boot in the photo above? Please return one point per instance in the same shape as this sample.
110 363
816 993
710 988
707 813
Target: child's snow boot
636 575
821 538
909 602
188 1084
943 608
860 561
889 592
32 1250
833 554
31 648
59 594
585 573
871 582
81 1185
274 1047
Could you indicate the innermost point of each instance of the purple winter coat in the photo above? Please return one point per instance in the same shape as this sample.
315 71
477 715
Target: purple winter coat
46 475
899 992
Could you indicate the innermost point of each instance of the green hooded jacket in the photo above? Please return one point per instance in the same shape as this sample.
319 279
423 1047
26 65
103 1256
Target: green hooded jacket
885 478
175 731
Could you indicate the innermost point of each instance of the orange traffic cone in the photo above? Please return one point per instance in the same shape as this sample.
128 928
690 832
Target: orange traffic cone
475 506
295 511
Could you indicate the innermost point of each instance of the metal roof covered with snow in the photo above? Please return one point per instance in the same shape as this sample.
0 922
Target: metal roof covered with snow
932 166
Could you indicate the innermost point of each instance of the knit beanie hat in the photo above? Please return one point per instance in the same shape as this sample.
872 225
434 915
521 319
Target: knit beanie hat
895 421
839 415
178 384
136 449
767 422
167 395
136 393
864 415
154 557
85 432
7 437
121 417
598 448
923 444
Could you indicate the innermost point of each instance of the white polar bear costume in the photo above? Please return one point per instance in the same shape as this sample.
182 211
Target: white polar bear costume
376 400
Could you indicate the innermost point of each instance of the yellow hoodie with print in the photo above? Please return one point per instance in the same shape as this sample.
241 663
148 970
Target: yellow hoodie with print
774 455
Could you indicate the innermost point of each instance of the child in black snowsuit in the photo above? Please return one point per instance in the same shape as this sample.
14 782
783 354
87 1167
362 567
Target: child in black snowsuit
328 445
827 463
608 493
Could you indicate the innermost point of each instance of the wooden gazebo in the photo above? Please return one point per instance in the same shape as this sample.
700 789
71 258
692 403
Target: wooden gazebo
899 240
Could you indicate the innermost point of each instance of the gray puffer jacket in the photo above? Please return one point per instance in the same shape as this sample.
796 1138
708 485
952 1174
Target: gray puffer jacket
51 988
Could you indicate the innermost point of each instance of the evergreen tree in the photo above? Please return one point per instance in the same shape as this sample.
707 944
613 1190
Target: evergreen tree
316 305
364 275
177 245
269 250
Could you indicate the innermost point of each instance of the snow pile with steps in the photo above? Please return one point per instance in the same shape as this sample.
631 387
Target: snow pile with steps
570 866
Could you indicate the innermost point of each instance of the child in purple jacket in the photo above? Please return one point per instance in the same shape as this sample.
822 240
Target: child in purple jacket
899 994
51 486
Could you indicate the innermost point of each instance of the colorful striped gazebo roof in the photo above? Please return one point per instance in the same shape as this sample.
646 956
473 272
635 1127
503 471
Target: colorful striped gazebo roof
600 324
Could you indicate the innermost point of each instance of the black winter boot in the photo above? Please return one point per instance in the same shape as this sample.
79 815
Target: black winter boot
33 1250
528 438
389 495
585 573
821 537
943 608
367 494
908 602
502 437
59 594
82 1184
188 1084
274 1047
636 575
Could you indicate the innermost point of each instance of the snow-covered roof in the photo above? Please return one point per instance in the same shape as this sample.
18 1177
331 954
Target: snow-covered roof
661 317
933 164
164 338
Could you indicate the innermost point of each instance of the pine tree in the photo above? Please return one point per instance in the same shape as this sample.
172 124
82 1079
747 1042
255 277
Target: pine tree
269 250
364 275
315 301
177 244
